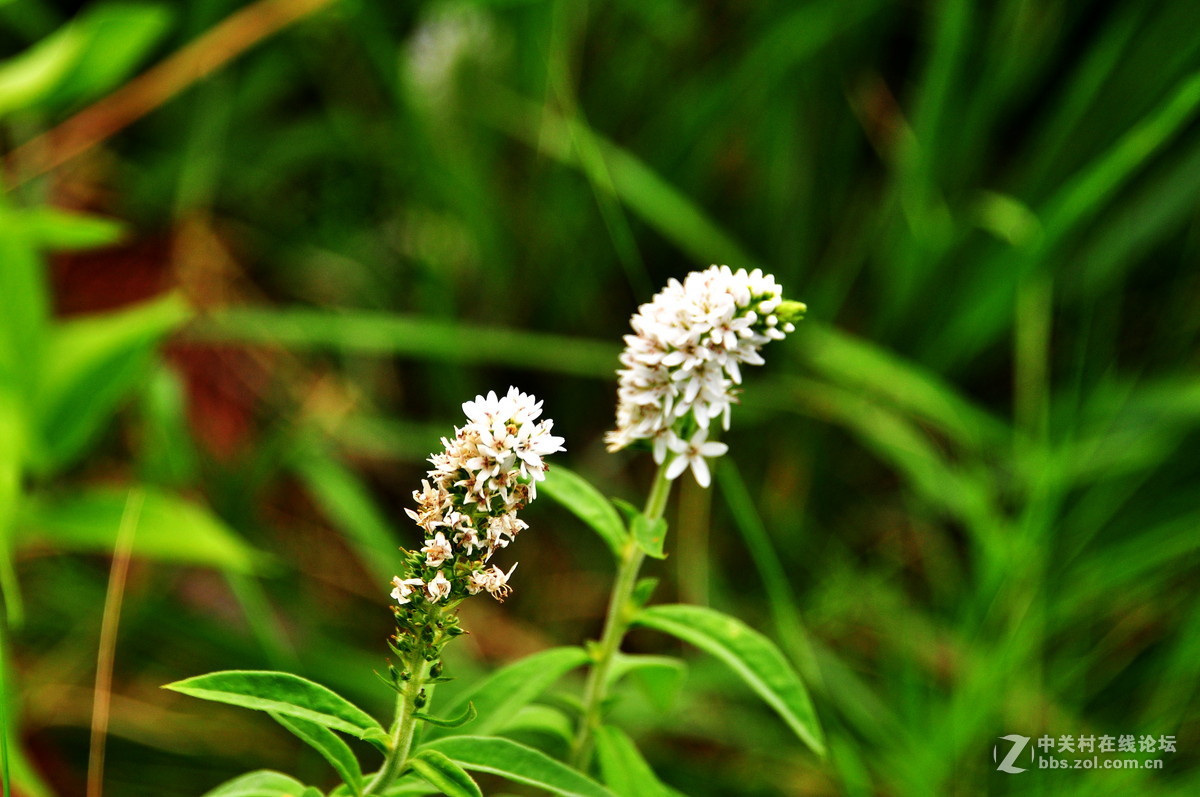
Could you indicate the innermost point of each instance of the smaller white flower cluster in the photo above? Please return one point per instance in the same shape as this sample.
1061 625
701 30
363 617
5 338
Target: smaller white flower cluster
682 366
469 502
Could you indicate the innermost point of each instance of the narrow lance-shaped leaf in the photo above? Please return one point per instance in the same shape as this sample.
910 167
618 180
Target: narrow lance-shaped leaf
329 745
59 230
461 719
586 503
660 676
343 497
411 336
170 528
543 720
263 783
92 364
518 763
282 693
408 785
498 697
749 654
443 773
624 769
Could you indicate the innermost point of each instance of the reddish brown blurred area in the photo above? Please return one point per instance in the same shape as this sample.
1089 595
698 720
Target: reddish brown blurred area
223 384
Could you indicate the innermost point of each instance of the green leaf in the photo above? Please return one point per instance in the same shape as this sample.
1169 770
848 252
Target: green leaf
463 718
498 697
650 535
623 768
167 449
748 653
518 763
114 39
543 720
448 776
263 783
282 693
425 338
84 58
312 791
12 449
643 590
27 78
588 504
410 784
329 745
24 322
169 528
348 503
661 677
866 368
781 598
663 206
61 230
628 511
92 364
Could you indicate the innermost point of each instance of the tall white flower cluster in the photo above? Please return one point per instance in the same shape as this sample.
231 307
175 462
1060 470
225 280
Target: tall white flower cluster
467 507
683 365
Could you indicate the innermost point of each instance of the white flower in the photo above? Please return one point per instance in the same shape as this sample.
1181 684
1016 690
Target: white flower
477 582
468 538
439 587
494 580
437 550
432 502
681 368
501 530
404 588
693 453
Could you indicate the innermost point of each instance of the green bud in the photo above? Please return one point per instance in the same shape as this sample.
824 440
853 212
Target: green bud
789 311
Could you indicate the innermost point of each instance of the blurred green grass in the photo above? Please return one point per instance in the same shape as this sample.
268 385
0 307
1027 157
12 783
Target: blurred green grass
965 496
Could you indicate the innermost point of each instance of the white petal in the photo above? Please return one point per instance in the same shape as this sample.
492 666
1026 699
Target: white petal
677 466
700 471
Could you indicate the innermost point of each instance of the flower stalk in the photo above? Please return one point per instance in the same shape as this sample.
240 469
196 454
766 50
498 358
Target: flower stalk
467 510
410 699
616 625
680 376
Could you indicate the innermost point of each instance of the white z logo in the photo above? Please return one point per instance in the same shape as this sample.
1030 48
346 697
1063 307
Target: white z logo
1019 743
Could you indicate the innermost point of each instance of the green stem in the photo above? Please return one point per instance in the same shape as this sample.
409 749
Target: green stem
403 729
616 624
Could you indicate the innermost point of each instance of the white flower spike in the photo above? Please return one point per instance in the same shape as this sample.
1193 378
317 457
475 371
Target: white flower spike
681 368
468 504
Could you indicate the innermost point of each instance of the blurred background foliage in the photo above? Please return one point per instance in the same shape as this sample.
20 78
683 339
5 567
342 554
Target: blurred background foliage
252 259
